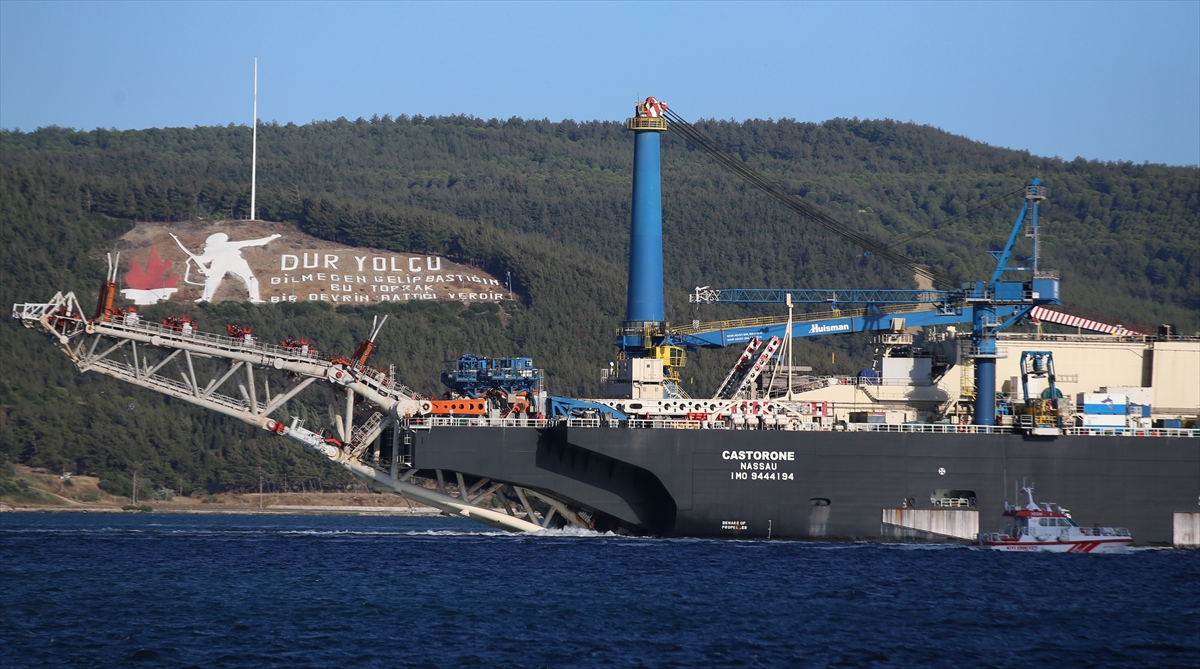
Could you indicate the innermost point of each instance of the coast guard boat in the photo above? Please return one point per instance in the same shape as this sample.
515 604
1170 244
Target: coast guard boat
1042 528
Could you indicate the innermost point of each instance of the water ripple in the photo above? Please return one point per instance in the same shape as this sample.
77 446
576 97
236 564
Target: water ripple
219 591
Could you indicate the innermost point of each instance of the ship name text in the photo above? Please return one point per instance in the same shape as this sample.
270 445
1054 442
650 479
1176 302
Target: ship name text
758 455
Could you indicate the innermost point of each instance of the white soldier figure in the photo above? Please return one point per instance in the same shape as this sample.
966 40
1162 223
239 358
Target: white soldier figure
222 257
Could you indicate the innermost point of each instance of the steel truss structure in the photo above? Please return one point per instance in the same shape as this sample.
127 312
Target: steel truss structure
374 416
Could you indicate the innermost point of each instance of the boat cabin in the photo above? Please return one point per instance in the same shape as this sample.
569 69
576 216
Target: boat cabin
1034 520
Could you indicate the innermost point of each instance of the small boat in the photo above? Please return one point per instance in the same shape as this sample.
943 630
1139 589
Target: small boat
1042 528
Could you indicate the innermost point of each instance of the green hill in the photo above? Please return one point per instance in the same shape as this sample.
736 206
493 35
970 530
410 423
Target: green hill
548 202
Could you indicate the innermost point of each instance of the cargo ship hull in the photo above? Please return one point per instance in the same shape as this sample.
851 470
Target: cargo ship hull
821 485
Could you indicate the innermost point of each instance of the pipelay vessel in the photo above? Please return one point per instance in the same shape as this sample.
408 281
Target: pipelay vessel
918 446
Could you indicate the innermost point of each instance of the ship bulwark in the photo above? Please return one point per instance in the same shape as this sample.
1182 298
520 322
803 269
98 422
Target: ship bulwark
826 485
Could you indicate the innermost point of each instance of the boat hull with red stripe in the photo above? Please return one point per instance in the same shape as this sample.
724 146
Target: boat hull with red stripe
1059 545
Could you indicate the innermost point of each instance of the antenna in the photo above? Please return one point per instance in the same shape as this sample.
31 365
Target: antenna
254 147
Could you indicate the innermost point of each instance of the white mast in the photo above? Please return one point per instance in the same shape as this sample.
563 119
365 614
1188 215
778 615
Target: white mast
788 341
254 149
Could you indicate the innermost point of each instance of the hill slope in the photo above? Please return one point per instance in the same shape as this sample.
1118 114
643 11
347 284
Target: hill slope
548 202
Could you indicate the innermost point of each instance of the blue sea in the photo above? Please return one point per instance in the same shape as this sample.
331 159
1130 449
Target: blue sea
159 590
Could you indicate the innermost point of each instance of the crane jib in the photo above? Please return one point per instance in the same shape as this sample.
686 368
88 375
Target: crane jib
797 204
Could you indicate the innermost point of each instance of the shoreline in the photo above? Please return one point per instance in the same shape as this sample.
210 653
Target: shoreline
38 491
281 510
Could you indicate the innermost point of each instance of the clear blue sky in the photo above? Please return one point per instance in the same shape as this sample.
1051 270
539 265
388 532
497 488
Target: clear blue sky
1109 80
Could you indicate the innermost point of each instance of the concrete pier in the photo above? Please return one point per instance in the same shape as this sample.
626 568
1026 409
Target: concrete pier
1187 530
930 524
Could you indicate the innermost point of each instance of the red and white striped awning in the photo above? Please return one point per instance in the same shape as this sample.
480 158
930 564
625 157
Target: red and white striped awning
1051 316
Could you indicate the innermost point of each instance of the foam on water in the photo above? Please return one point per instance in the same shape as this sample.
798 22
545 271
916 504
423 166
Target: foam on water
574 532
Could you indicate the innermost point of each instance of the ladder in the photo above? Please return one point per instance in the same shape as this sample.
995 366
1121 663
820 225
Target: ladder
365 434
967 392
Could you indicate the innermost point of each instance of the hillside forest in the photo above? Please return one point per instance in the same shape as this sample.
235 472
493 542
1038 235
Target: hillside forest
547 203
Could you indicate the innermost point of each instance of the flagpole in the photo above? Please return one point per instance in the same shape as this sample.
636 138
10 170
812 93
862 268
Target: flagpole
254 149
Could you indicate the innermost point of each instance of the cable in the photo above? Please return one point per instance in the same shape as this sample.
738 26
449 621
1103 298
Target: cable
797 204
991 203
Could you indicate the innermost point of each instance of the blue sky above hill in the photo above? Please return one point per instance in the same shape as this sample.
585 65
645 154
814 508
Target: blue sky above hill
1107 81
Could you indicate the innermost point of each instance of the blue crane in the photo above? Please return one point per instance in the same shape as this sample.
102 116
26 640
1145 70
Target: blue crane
990 307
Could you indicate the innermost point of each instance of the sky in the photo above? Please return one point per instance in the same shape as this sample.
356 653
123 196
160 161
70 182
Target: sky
1107 81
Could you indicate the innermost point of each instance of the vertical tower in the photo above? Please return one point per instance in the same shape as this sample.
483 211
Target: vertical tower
645 298
646 368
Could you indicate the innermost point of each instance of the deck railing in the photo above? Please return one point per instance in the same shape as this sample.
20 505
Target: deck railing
670 424
1132 431
928 428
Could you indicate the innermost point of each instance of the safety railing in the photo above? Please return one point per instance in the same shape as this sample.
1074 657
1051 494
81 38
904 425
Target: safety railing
671 424
978 352
942 428
953 502
1132 432
440 421
873 381
667 424
118 324
928 428
642 123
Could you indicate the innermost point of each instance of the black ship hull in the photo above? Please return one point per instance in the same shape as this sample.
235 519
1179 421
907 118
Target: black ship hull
828 485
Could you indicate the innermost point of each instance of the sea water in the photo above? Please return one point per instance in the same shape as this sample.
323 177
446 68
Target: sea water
133 590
